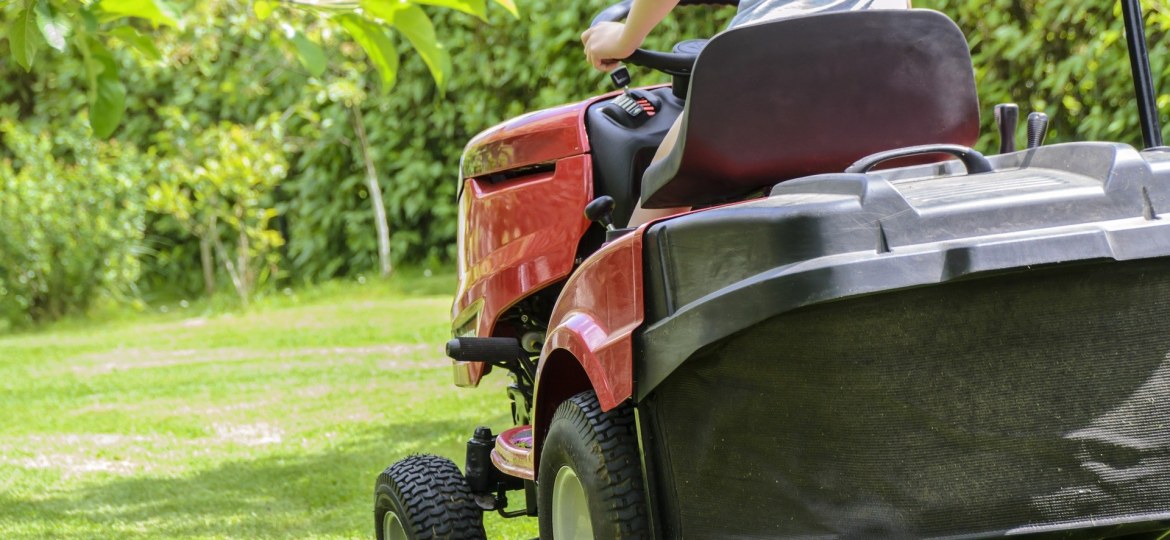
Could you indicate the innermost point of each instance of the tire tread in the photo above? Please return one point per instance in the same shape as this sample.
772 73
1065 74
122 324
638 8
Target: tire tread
434 496
611 437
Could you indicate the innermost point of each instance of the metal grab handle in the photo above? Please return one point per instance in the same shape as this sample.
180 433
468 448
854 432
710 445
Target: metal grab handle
975 162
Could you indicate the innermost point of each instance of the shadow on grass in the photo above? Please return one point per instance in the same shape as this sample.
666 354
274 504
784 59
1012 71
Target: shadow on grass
276 496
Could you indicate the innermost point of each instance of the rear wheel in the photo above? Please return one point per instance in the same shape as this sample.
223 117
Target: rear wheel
425 497
591 474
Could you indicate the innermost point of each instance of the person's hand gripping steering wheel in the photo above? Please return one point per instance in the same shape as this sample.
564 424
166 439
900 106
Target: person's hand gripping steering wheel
608 42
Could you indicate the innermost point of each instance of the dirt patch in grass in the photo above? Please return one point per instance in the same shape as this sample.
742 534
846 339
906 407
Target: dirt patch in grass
81 454
75 454
147 358
72 466
261 434
250 425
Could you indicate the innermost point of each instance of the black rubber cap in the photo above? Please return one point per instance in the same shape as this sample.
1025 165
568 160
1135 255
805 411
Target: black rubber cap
490 349
601 210
620 77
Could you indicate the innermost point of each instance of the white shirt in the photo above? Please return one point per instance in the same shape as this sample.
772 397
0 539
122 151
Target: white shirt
754 11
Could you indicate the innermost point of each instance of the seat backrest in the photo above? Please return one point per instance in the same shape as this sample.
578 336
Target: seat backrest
807 95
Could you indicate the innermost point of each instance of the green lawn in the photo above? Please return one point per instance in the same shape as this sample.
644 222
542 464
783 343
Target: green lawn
272 422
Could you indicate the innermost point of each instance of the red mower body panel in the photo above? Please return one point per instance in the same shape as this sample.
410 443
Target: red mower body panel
525 183
516 252
538 138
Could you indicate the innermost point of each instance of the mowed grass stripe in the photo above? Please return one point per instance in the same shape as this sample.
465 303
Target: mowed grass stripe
271 423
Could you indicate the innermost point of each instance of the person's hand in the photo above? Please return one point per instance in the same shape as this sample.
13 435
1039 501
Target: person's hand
605 45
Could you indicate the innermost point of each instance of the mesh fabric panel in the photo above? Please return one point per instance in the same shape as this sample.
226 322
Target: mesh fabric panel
1037 399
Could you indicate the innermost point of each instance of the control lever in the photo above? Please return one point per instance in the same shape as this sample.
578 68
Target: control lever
1037 129
1007 119
637 105
601 211
621 79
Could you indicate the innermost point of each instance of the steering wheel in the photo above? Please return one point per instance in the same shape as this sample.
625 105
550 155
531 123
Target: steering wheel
679 64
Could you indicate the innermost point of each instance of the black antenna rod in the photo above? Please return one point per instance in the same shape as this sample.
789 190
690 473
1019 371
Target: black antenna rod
1143 81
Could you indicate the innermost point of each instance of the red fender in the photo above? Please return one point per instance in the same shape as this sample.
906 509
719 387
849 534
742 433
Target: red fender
590 341
604 356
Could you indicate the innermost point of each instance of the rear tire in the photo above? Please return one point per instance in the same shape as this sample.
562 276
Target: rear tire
591 474
425 497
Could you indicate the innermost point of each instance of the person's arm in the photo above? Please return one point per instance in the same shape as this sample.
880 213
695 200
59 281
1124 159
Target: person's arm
609 42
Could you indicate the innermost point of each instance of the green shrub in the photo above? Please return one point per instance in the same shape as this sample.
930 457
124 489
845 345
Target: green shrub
502 69
228 69
1067 59
71 212
215 186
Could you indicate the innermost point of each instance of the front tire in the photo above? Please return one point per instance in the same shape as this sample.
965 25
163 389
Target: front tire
591 474
425 497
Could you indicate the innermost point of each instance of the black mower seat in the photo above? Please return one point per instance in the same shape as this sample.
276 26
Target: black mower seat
809 95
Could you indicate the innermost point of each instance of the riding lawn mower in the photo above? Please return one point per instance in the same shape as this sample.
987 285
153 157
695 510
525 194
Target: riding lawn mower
861 328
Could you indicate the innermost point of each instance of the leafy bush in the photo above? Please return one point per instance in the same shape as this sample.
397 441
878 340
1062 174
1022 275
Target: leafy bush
216 187
72 216
228 70
1063 58
1067 59
502 70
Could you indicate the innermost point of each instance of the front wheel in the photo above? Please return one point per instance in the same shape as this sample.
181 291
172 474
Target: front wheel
425 497
591 475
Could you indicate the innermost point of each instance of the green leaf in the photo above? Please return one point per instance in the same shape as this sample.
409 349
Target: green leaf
23 38
158 12
53 28
379 48
107 96
414 23
510 6
88 20
263 8
133 38
383 9
310 54
473 7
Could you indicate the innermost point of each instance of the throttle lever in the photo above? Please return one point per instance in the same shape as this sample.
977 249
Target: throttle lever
1037 129
600 210
1007 119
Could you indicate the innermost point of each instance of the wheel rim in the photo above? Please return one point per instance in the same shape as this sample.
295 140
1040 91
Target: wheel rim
392 528
570 517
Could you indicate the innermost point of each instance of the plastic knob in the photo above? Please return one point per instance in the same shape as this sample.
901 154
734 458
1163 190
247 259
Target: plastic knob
1037 129
1007 118
620 77
601 211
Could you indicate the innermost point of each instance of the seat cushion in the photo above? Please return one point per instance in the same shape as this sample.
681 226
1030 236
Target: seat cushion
809 95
